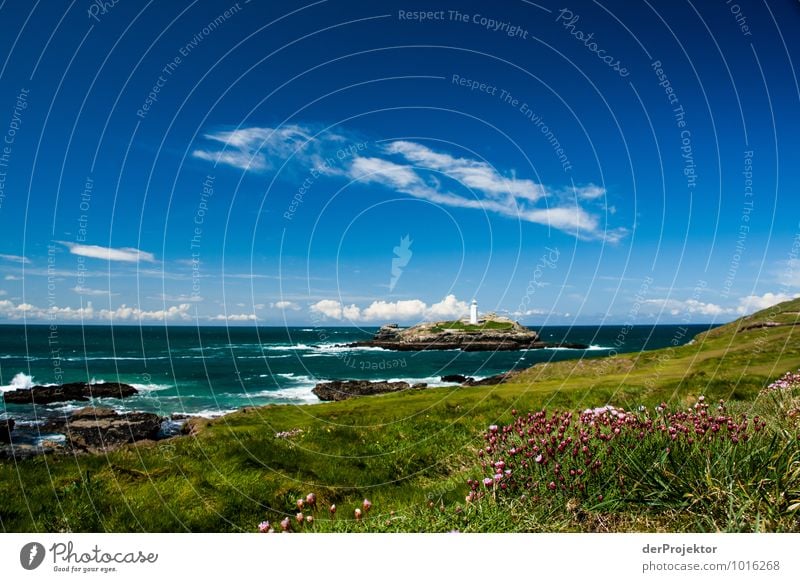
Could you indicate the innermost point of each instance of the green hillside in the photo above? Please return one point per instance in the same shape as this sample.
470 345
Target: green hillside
412 453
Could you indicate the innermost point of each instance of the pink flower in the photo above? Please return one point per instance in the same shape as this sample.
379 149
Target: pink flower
551 486
487 482
332 508
357 513
309 519
299 517
285 524
311 499
366 504
539 458
300 504
263 527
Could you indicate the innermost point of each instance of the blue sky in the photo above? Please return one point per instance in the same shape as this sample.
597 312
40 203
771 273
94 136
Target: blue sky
340 163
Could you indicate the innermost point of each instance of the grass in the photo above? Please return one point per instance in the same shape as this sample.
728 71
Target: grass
458 325
411 454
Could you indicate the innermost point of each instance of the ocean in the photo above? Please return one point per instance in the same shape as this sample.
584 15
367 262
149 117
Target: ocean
210 371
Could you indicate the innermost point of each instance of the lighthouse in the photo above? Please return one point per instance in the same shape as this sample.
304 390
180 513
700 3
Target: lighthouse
473 312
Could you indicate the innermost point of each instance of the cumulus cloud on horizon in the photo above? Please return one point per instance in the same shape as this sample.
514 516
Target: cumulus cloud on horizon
745 306
402 310
420 171
12 311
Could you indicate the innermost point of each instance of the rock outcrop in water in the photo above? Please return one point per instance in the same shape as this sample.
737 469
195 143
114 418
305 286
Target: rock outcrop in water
101 429
345 389
493 333
72 391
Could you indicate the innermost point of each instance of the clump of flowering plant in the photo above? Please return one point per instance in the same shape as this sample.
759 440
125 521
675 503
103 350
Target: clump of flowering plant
599 451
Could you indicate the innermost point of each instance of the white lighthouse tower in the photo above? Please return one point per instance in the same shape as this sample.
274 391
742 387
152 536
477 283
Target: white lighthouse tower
473 312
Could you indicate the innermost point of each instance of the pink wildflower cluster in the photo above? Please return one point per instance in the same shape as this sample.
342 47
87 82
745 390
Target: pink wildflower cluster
562 451
306 510
786 382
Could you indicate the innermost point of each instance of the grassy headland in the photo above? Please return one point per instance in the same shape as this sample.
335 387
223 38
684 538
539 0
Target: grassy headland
412 453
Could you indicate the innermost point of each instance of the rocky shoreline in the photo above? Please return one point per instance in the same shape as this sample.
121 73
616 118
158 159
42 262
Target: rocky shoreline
337 390
96 429
92 429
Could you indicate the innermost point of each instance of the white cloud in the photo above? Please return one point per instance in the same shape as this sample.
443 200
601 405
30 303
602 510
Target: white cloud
9 310
328 308
351 312
753 303
94 292
125 313
180 298
690 306
449 307
234 317
474 174
588 192
402 310
285 305
12 278
15 259
417 170
392 310
126 254
256 148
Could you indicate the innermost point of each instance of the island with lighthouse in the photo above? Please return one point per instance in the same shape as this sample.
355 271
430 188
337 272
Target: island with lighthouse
485 332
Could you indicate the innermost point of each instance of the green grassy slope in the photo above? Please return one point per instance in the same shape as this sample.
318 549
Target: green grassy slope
401 450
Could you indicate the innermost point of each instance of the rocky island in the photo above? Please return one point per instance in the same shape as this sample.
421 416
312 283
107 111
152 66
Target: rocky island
491 333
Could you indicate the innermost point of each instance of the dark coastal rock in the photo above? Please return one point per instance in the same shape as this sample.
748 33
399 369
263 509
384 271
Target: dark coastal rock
95 429
72 391
6 426
345 389
457 378
493 380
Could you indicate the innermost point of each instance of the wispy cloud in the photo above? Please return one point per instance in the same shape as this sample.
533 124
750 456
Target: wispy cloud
93 292
422 172
258 148
125 254
15 259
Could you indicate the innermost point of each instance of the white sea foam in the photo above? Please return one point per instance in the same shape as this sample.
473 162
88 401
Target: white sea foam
151 387
21 381
211 413
291 348
301 394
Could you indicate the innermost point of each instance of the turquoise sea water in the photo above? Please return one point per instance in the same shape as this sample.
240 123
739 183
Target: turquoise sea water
213 370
